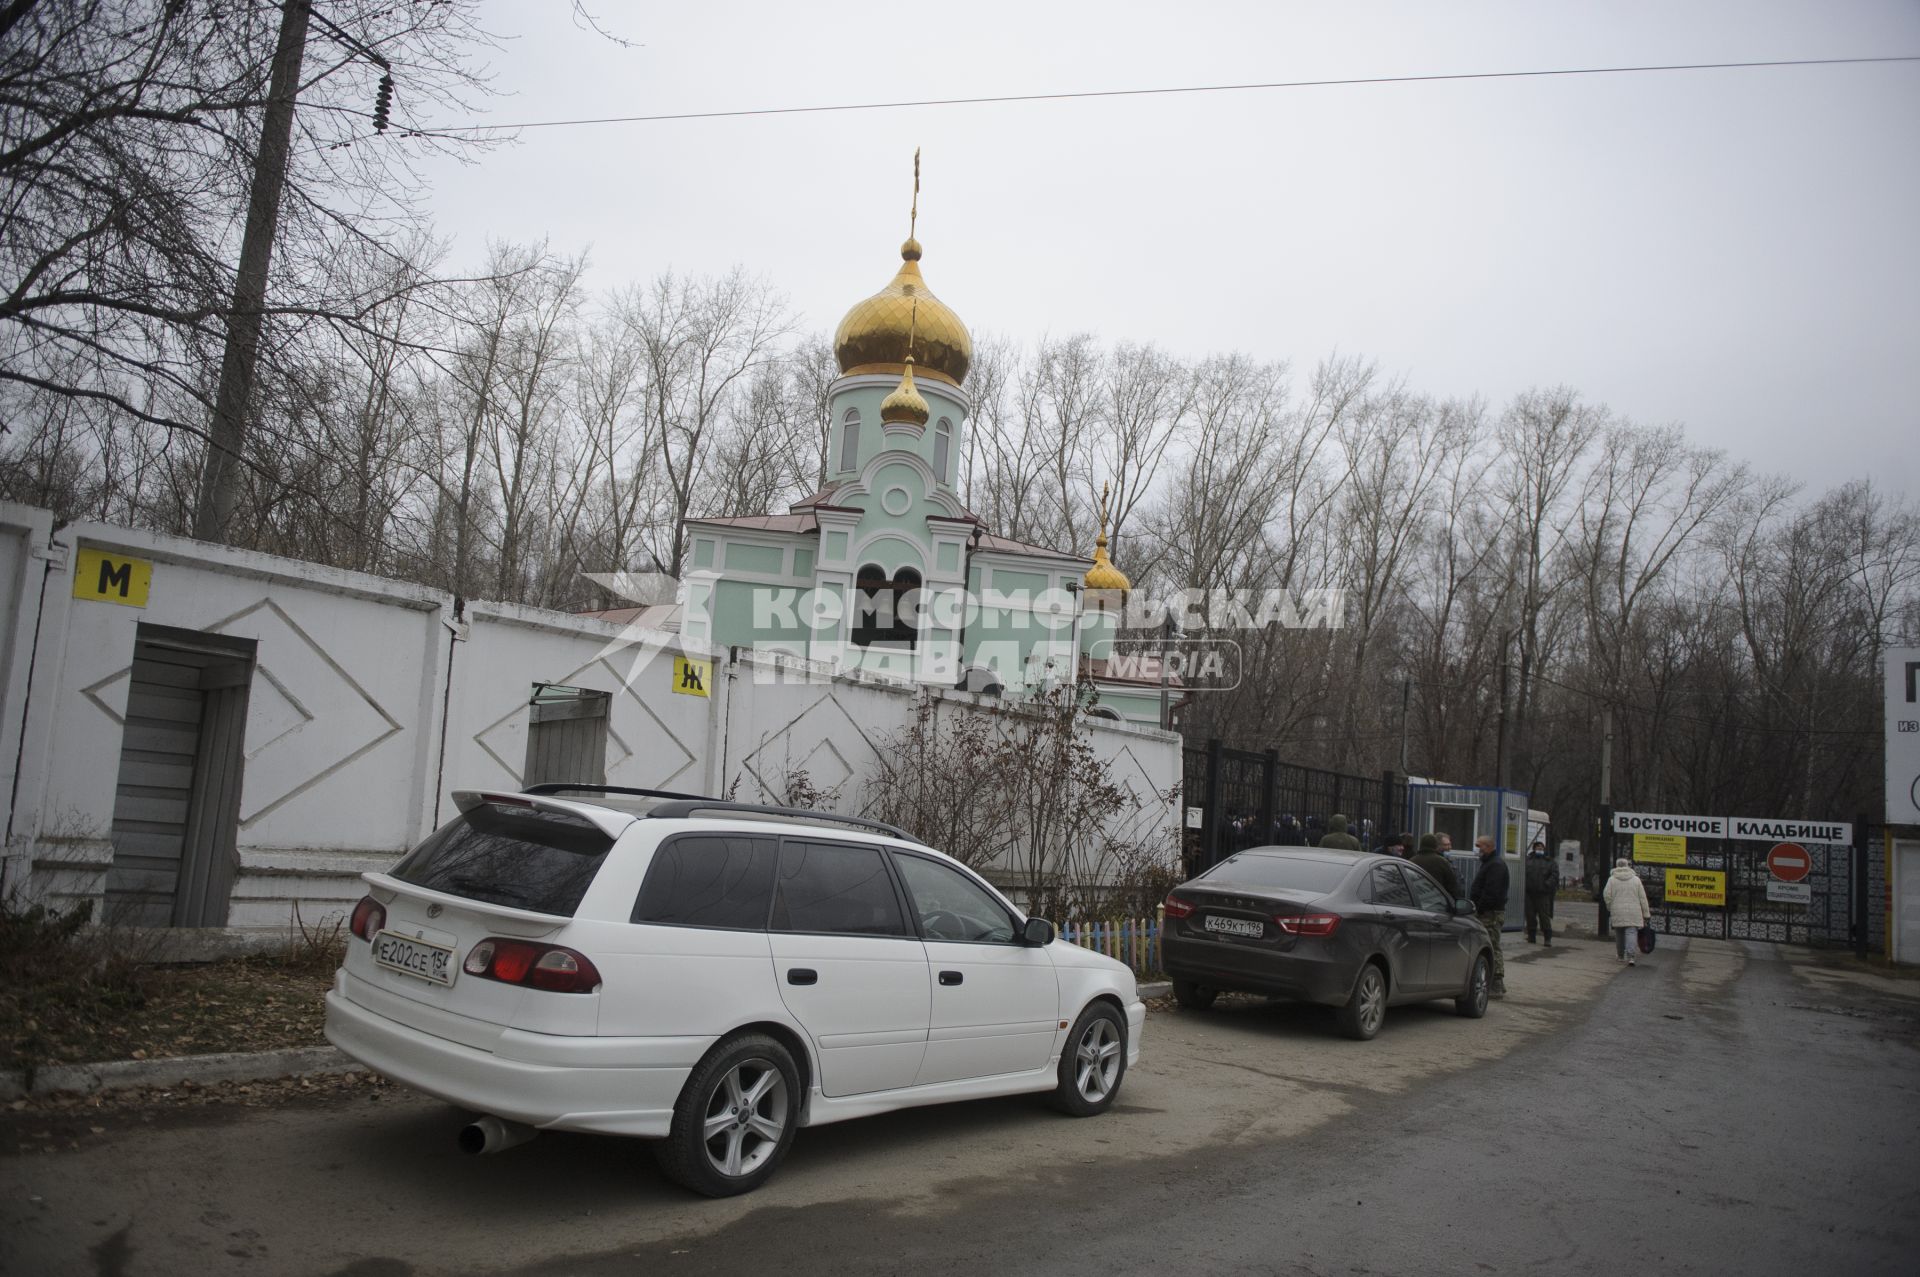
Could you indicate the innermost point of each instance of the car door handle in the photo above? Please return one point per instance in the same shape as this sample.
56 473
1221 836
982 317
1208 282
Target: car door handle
802 975
951 977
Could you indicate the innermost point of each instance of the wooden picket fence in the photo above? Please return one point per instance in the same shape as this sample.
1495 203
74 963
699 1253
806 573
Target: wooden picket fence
1134 941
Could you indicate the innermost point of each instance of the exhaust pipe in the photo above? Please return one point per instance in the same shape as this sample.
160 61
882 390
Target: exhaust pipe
493 1134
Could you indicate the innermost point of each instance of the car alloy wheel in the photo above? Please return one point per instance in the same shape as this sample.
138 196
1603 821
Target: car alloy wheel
735 1118
1366 1009
1093 1062
746 1117
1479 988
1096 1064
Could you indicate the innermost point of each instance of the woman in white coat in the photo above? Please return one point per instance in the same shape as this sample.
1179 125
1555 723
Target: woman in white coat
1627 907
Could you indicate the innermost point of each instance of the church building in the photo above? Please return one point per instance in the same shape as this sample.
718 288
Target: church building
884 569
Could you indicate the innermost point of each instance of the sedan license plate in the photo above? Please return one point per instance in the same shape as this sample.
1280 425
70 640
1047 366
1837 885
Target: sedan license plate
1234 926
413 957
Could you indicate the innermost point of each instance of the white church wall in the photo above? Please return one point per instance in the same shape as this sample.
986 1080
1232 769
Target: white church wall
346 762
338 723
656 738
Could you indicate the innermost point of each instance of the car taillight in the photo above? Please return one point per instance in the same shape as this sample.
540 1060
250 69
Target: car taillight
536 966
1178 908
1307 924
368 917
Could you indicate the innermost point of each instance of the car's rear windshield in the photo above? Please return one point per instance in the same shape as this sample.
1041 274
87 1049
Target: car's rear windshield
525 857
1283 873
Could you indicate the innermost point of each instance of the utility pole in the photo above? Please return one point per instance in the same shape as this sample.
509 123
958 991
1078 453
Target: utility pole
226 436
1606 757
1406 700
1500 747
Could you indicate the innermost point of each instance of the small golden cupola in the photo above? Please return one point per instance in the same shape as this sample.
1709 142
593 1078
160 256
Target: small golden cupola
875 335
1103 575
905 404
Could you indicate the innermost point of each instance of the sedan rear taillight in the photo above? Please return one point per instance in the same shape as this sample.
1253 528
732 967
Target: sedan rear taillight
1178 908
1307 924
368 917
535 966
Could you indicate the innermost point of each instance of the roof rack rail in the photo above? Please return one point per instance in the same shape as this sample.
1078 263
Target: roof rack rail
568 787
684 807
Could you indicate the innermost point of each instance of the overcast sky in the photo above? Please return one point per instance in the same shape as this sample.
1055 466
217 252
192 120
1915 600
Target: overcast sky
1736 250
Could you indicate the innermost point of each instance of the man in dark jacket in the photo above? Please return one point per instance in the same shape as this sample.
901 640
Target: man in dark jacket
1543 881
1438 867
1337 836
1489 899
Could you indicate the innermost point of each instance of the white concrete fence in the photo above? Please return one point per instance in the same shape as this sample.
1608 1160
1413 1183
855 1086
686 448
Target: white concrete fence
368 702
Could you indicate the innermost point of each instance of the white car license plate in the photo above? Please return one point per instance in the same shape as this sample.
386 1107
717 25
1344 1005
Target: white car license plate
1234 926
413 957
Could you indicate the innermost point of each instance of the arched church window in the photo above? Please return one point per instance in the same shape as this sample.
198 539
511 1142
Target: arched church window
884 610
850 441
942 449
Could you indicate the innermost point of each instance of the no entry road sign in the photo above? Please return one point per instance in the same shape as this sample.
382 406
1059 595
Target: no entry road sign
1789 862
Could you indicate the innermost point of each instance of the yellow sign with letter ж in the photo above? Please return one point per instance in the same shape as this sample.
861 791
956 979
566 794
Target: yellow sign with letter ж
1697 887
111 578
1660 849
691 677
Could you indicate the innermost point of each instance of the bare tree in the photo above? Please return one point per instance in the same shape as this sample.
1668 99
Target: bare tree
128 135
1545 435
703 341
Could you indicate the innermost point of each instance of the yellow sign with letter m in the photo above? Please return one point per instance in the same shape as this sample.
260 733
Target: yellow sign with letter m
112 578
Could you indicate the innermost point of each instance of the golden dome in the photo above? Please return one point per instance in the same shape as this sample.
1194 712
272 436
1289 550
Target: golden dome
874 336
906 402
1103 575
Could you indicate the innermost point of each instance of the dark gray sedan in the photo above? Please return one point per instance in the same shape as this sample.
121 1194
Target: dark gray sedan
1346 929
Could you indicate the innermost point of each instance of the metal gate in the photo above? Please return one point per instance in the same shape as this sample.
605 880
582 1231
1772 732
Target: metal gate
1827 917
566 736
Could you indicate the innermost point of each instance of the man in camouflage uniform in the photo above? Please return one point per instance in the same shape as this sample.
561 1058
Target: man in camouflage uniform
1489 899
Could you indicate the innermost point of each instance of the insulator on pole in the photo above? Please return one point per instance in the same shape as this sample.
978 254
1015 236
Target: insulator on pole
383 104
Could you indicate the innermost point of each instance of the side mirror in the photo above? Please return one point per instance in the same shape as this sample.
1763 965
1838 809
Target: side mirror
1037 933
1462 908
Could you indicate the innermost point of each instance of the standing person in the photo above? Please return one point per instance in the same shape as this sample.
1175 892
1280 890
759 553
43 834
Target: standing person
1543 881
1489 900
1627 908
1438 867
1337 835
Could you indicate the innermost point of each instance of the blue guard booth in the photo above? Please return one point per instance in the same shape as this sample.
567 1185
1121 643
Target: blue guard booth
1467 811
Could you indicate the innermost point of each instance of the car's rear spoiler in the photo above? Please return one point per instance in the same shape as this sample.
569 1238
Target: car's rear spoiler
608 821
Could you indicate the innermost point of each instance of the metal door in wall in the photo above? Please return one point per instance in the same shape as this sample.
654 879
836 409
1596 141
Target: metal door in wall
566 736
177 797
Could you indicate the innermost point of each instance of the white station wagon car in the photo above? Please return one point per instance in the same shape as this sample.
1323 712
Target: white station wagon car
712 975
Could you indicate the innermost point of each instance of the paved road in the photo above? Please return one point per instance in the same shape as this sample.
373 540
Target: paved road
1765 1109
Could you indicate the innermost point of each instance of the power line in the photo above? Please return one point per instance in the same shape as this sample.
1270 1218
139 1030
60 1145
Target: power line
1192 88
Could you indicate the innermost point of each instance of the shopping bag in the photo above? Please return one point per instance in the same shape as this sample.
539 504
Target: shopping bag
1646 939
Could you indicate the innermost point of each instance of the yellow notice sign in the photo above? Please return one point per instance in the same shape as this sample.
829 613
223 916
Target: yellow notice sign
1697 887
113 578
690 677
1660 849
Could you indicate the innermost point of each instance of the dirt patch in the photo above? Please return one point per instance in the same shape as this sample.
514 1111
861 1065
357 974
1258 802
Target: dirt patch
72 994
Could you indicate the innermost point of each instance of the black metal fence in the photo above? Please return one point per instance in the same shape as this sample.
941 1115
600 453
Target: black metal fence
1237 798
